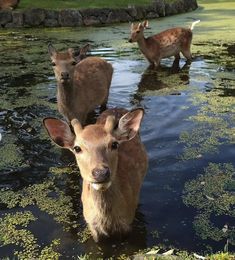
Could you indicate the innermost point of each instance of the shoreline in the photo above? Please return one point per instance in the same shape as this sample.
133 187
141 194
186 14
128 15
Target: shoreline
38 17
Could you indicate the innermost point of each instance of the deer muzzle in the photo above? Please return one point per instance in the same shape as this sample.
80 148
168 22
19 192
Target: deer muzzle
101 178
64 77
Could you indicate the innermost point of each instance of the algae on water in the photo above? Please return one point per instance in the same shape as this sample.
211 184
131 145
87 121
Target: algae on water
10 154
49 197
13 230
212 195
214 123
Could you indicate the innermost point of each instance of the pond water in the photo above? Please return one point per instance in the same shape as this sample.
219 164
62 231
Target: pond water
188 196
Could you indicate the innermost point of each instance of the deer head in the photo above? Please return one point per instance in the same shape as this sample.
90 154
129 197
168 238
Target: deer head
137 31
96 146
64 63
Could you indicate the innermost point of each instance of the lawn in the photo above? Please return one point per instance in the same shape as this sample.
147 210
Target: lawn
61 4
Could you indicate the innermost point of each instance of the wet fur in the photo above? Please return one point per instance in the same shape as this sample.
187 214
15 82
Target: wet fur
112 211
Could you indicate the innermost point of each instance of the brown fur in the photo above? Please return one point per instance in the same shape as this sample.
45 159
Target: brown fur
9 4
87 86
113 210
165 44
110 209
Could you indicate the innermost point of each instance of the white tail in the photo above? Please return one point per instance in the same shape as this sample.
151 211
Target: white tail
112 162
193 24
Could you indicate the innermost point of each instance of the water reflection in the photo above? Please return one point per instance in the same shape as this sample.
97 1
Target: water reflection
169 78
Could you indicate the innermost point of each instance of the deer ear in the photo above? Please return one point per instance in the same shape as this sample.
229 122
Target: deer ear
73 52
139 26
59 132
145 24
83 52
85 49
51 49
80 53
129 125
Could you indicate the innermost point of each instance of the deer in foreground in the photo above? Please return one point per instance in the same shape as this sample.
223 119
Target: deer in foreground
112 162
8 4
82 82
164 44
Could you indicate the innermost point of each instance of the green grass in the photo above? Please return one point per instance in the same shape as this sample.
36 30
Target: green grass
80 4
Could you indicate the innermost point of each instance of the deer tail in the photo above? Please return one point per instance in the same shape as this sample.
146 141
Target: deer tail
193 24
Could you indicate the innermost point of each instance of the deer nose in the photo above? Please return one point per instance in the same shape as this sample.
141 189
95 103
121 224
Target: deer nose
130 40
101 175
64 75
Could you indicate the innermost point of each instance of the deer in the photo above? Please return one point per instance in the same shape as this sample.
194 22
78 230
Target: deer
113 163
82 82
164 44
8 4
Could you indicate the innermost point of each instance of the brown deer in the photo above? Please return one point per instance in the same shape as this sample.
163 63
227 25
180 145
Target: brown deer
82 82
164 44
9 4
112 162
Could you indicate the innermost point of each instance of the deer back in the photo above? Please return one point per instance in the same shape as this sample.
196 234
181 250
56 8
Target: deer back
92 79
171 41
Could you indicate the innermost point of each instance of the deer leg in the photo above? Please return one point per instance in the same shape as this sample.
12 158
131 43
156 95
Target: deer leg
186 51
176 66
157 63
187 54
103 106
177 57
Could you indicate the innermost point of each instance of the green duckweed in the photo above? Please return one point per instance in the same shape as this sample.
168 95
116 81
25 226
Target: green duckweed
46 196
212 196
13 231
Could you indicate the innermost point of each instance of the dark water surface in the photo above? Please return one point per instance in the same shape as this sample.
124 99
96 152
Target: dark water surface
188 196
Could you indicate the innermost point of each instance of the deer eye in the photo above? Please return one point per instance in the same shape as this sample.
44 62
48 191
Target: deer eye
137 31
77 149
74 63
53 64
114 145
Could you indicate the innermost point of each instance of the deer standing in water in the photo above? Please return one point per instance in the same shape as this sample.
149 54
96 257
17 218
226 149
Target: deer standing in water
112 162
82 82
164 44
9 4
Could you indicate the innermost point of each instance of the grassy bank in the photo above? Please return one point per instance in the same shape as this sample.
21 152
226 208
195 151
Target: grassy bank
81 4
61 4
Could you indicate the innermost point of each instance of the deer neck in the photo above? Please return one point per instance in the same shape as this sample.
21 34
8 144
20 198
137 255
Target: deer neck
142 44
65 92
103 200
